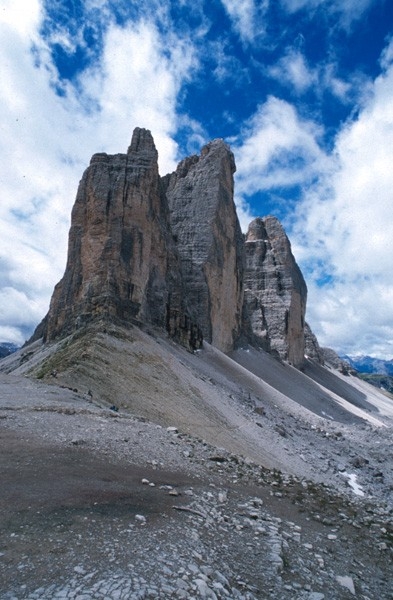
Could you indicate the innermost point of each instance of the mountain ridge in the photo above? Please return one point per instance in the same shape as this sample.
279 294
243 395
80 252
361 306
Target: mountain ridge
369 364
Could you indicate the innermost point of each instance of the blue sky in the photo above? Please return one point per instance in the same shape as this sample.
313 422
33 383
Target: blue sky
302 90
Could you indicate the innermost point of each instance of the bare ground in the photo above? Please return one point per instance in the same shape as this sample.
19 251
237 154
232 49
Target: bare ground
77 521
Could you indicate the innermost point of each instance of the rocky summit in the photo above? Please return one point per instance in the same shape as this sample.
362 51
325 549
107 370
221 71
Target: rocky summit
169 251
122 261
209 241
275 291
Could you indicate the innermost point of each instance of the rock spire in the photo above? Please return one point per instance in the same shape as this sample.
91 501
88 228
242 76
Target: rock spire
122 262
209 240
169 251
275 291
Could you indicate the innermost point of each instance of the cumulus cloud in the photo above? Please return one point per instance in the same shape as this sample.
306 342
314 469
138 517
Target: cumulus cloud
276 149
344 232
136 83
50 128
21 17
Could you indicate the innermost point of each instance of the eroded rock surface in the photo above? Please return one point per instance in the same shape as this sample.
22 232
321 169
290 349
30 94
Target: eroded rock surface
274 290
311 346
209 239
122 261
169 251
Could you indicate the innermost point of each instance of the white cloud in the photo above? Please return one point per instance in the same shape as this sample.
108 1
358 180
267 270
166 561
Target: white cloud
278 149
347 11
293 70
244 213
47 140
20 16
387 55
228 70
247 17
338 87
346 225
17 308
136 84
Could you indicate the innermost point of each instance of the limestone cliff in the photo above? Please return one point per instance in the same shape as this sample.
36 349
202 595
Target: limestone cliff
209 240
169 251
312 348
122 262
275 292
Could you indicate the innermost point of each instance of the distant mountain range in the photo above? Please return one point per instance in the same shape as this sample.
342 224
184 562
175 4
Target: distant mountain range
368 364
376 371
7 348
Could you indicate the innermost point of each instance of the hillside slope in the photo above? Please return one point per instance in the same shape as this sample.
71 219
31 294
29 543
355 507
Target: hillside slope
253 406
147 478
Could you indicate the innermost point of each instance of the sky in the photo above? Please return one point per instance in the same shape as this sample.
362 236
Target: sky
301 90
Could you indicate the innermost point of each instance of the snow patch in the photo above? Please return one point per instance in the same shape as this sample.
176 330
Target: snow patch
356 488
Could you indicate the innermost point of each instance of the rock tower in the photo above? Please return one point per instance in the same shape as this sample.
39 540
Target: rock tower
169 251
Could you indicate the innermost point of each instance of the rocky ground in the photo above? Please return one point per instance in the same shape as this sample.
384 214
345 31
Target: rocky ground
96 503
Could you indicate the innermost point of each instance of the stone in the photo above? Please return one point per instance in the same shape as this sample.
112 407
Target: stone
275 292
358 462
346 582
140 519
222 497
172 429
281 430
204 590
79 570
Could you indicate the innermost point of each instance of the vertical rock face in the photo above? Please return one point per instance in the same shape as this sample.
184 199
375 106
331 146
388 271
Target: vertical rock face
122 262
312 348
209 240
275 292
169 251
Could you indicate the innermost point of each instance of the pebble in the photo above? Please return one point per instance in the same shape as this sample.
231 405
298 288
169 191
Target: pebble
140 519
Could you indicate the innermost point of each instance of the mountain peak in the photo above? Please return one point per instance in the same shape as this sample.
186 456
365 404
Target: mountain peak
170 252
142 141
